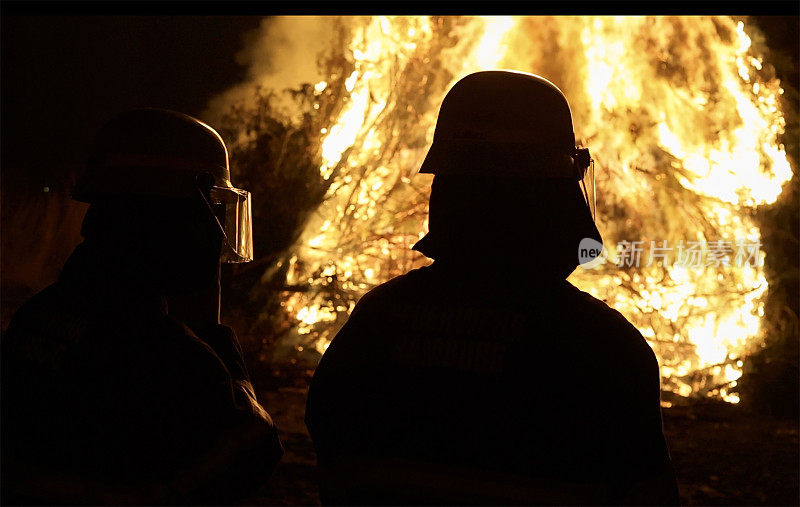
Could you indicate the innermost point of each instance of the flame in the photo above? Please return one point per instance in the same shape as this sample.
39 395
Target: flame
680 114
718 124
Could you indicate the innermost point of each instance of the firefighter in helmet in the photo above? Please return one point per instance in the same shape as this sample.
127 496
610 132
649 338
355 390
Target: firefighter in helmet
486 377
119 384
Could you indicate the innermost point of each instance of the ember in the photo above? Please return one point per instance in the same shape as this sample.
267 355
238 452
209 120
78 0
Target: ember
682 115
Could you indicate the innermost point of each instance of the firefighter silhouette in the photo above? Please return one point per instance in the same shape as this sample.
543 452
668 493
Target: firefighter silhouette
486 377
119 384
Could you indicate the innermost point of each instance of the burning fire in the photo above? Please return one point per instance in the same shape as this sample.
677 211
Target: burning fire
681 115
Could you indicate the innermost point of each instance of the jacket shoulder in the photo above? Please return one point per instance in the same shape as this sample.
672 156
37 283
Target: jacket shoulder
50 301
397 289
617 331
48 322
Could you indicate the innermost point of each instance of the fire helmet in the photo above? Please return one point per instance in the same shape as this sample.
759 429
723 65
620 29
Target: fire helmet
161 153
511 124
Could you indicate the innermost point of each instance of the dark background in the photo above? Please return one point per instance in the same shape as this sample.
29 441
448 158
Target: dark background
62 77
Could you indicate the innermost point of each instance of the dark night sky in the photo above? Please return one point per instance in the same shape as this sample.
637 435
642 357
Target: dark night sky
62 77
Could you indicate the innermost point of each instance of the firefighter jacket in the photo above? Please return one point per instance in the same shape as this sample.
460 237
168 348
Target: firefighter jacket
446 386
107 400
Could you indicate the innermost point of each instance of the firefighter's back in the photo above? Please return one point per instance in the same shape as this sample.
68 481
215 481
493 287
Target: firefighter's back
106 399
533 383
486 377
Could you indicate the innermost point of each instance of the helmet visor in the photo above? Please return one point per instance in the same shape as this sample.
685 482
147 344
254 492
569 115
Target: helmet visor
236 223
588 190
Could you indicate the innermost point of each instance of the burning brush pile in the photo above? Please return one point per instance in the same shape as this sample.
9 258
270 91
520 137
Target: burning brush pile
683 117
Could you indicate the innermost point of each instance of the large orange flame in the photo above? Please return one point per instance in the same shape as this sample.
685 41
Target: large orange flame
680 114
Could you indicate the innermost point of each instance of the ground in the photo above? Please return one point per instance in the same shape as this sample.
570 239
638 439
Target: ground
722 454
726 456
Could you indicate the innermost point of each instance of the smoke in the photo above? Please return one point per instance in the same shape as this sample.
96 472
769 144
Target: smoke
281 53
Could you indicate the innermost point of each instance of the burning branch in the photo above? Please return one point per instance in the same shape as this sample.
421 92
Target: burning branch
682 116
